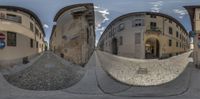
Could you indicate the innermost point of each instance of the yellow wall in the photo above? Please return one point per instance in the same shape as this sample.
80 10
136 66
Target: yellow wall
128 49
24 34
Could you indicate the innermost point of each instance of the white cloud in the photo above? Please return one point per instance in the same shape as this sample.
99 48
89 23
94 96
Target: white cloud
101 16
96 7
100 28
101 32
156 6
46 26
180 12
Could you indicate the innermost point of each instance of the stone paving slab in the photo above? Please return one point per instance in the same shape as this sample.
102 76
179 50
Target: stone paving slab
140 72
88 84
175 87
48 73
7 91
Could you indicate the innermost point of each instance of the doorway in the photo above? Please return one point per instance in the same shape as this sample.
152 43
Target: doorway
114 46
152 48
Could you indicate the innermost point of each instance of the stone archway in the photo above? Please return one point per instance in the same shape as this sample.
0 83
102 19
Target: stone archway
152 48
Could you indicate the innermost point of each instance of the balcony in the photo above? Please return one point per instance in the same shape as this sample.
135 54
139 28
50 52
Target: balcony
16 19
153 30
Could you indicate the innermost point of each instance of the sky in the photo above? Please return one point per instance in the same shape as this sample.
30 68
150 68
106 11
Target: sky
105 10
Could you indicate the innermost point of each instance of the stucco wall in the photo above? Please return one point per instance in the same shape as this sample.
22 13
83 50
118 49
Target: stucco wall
130 49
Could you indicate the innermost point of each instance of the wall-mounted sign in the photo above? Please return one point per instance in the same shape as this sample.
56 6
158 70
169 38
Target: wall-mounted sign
2 44
2 36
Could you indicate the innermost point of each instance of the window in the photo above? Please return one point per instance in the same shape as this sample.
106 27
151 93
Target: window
31 43
121 27
120 40
176 44
36 44
2 16
110 34
153 16
36 31
88 35
170 21
177 25
170 31
31 26
114 30
15 18
177 34
11 39
199 15
153 25
138 22
170 42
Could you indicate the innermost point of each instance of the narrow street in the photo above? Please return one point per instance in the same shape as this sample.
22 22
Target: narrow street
47 73
96 83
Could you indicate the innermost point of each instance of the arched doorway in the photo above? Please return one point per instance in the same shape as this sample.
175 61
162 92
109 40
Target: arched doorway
152 48
114 46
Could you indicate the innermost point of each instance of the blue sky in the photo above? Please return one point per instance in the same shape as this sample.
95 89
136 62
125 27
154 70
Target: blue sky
105 10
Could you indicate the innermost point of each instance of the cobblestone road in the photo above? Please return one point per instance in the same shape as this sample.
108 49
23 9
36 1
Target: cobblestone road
141 72
47 73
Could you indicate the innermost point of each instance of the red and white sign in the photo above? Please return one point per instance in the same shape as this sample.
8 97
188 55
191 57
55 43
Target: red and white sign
2 36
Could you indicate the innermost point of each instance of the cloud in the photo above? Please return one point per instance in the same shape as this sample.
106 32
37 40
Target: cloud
101 32
101 16
96 7
46 26
181 13
100 28
156 6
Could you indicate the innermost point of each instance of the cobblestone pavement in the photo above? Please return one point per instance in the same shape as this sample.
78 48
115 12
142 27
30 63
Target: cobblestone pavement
47 73
89 89
141 72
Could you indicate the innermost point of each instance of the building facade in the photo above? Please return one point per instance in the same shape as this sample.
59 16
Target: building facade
194 12
73 36
144 35
21 33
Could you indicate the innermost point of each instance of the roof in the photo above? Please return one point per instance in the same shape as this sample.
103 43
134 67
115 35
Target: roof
60 12
151 13
26 11
191 12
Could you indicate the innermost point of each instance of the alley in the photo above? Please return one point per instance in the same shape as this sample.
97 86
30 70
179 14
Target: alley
47 73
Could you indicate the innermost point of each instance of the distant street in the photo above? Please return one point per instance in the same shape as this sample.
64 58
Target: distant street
47 73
